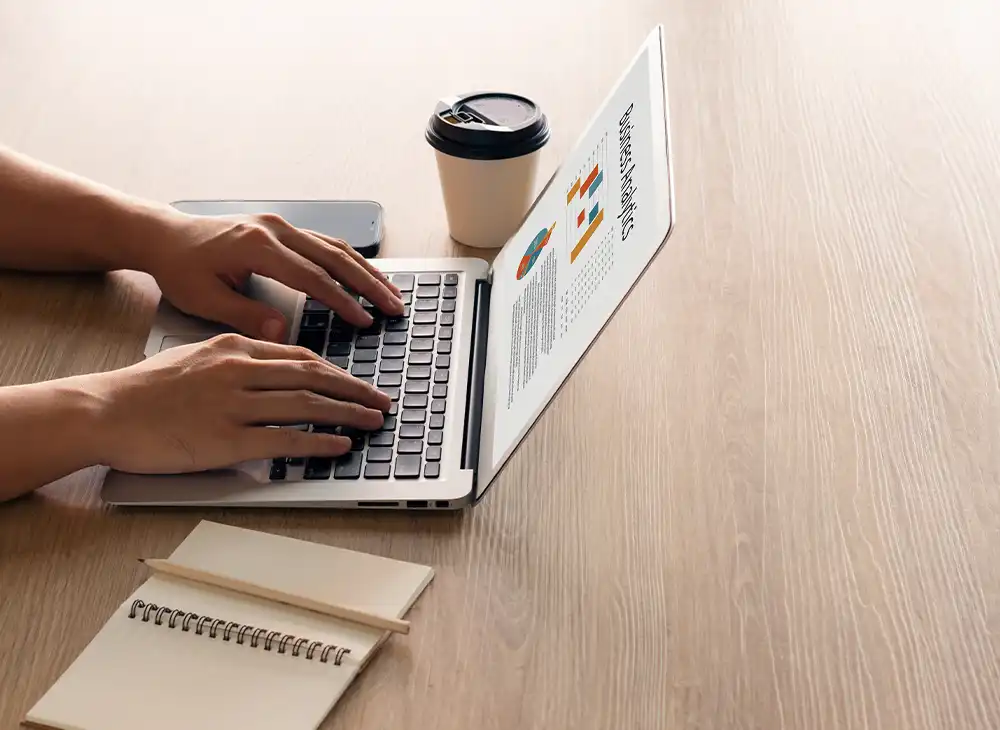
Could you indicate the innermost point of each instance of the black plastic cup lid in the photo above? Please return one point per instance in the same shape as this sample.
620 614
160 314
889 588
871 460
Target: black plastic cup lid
487 126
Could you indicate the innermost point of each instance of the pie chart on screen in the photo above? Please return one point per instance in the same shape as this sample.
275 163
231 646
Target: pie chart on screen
534 251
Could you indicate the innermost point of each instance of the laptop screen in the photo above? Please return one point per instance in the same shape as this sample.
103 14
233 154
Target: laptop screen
581 249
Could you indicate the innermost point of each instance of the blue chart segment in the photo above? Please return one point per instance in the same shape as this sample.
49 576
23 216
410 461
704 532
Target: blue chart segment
534 251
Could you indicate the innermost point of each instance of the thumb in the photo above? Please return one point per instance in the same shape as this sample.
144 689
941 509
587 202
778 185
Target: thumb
221 304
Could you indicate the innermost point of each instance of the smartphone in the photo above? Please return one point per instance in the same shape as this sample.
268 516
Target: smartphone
359 222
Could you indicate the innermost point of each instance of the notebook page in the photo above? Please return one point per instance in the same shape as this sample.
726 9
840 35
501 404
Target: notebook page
332 575
138 674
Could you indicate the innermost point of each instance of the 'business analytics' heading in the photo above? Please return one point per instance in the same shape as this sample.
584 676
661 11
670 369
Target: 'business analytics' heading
627 167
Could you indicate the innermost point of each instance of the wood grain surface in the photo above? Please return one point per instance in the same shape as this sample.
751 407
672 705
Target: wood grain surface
788 512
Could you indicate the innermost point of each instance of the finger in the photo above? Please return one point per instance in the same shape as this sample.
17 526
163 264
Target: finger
269 443
285 265
343 267
250 317
302 406
259 350
317 376
347 248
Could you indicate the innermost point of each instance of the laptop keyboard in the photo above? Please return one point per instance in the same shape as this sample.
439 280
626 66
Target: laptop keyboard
409 358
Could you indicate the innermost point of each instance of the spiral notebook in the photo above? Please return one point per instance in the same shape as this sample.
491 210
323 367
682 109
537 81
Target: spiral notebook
181 654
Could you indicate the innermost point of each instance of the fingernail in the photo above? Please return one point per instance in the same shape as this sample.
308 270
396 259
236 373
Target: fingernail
273 329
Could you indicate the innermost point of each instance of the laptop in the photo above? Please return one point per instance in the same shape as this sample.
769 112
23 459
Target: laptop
482 349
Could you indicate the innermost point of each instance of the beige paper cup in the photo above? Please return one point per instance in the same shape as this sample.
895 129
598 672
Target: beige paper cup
487 147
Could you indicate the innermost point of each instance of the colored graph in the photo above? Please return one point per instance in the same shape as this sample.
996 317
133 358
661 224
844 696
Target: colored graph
586 195
534 251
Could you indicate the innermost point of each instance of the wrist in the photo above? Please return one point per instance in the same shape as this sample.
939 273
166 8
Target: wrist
138 234
81 410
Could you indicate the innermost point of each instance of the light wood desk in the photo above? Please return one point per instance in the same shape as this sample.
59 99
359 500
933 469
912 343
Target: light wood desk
769 497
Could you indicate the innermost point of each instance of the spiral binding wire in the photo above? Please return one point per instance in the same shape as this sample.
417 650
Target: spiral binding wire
243 633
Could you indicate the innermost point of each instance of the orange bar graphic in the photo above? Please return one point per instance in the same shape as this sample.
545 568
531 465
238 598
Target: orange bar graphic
573 191
579 219
586 237
590 178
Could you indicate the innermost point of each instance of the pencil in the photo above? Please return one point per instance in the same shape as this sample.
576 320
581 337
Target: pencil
346 613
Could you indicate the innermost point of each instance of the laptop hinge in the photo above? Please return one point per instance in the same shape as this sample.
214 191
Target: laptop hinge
477 379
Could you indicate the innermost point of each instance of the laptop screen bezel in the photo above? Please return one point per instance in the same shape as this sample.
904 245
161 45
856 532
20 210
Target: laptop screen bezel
653 50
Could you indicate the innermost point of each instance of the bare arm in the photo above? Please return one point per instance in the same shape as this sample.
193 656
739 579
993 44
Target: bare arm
51 220
47 430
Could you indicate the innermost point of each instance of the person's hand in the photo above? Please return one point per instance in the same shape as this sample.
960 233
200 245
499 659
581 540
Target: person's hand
214 404
200 262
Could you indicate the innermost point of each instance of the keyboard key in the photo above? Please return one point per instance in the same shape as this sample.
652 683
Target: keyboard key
440 390
432 470
417 386
429 280
366 304
407 466
340 362
448 319
341 332
395 338
373 329
428 292
435 438
363 369
418 372
445 333
411 431
433 453
369 342
393 408
357 437
315 320
279 469
416 401
390 366
420 358
422 331
451 279
389 424
313 305
397 325
410 446
296 461
379 454
366 356
448 305
425 318
393 393
422 345
414 416
442 361
367 379
380 438
390 380
438 406
317 468
403 282
444 348
426 305
312 340
338 349
437 421
393 352
449 292
440 376
348 466
377 471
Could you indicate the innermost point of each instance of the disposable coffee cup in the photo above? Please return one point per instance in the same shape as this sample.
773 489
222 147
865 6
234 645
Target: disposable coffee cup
487 146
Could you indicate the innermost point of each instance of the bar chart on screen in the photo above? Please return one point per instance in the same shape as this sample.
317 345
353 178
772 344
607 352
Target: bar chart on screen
586 200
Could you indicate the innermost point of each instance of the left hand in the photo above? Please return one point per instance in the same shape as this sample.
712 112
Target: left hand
201 262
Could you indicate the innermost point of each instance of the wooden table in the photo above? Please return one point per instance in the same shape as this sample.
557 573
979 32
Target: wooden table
769 496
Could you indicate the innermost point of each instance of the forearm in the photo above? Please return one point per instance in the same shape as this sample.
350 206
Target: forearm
51 220
47 430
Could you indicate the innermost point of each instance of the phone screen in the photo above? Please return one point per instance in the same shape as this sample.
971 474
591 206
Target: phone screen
359 222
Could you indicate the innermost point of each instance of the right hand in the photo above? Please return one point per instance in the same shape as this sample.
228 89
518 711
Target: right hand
209 405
